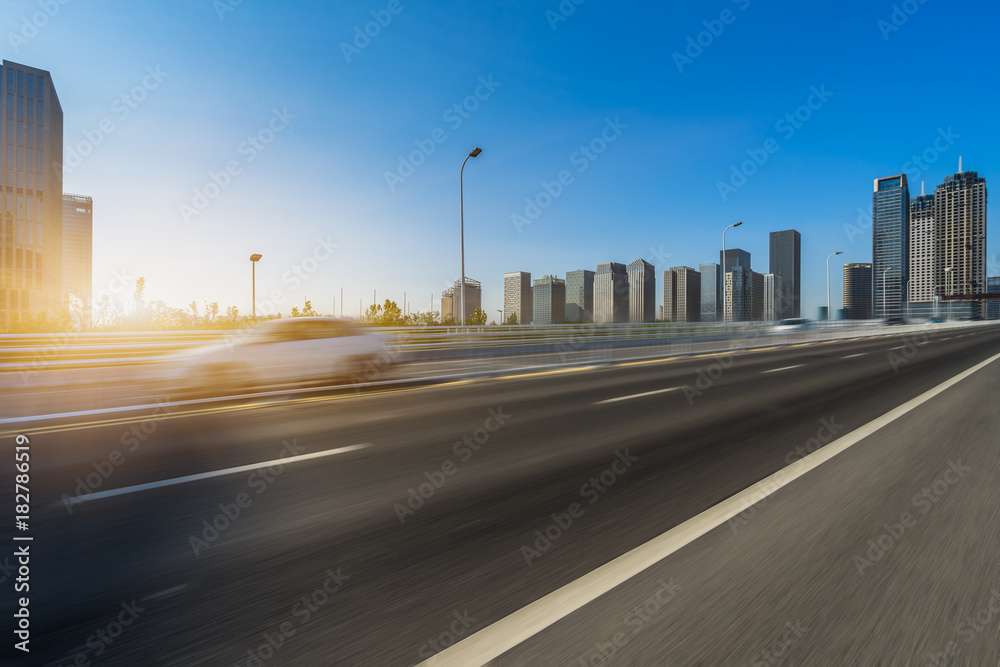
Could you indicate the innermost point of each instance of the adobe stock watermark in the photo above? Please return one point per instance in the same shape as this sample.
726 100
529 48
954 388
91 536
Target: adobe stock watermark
130 440
104 637
775 653
31 26
696 44
632 624
363 36
708 376
223 7
457 629
970 628
121 108
787 127
464 449
454 116
906 352
259 480
301 615
248 150
592 490
920 506
901 13
563 11
581 158
921 162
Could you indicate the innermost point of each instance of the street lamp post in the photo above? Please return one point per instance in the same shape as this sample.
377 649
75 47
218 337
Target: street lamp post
887 269
501 315
253 281
461 203
947 287
725 317
829 317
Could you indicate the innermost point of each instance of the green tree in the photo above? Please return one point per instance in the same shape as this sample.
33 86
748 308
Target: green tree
511 319
308 311
477 318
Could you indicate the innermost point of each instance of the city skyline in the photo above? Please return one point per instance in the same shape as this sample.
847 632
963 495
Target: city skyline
136 144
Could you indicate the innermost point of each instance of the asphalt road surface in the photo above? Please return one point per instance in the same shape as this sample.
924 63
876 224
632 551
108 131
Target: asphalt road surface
404 522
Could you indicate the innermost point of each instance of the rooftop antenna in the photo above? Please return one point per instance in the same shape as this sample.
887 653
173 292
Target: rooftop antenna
921 188
960 164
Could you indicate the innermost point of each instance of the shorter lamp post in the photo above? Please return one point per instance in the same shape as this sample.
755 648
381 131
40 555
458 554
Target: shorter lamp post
253 281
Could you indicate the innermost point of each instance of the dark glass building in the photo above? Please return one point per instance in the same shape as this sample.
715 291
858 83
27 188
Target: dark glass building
786 263
890 244
580 296
611 293
858 291
711 292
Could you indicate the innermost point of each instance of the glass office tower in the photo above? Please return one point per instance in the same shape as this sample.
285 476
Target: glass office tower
890 244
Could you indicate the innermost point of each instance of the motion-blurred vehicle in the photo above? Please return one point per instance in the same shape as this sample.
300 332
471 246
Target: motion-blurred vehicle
935 320
793 324
278 354
891 321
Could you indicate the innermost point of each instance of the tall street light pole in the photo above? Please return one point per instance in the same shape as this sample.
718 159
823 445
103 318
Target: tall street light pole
461 204
829 315
725 317
253 281
948 286
887 269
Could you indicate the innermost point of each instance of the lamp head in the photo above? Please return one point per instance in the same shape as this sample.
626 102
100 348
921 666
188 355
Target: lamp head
475 152
255 258
737 224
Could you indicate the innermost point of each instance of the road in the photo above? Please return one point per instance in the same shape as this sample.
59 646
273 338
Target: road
531 484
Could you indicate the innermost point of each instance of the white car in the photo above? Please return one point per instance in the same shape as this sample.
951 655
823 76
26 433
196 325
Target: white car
793 324
279 354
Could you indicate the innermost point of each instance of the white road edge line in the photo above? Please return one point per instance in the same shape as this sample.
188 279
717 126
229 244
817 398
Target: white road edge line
647 393
505 634
778 370
851 356
208 475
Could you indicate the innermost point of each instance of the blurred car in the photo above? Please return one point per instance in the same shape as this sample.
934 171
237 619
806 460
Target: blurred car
935 320
793 324
890 321
278 354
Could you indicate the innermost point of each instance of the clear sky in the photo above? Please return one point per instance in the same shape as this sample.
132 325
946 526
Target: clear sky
333 113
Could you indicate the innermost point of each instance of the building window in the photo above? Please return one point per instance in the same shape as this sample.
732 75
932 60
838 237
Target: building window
31 186
39 138
39 118
31 85
20 108
20 83
38 211
41 87
30 136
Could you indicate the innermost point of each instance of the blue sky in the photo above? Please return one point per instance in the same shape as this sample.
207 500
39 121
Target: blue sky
331 121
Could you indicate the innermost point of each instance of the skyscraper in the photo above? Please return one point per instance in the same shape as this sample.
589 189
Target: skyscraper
31 126
517 296
580 296
550 300
923 248
641 291
711 292
960 218
451 300
77 253
772 298
734 257
786 263
890 246
744 294
611 302
681 294
858 291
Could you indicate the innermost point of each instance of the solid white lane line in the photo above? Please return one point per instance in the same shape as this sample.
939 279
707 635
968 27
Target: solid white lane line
778 370
851 356
625 398
215 473
495 640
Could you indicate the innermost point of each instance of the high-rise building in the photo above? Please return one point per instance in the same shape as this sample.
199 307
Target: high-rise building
611 293
77 254
960 218
858 291
744 294
550 300
890 246
641 291
773 298
711 292
517 296
451 300
31 149
732 257
580 296
786 263
993 305
923 248
681 295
